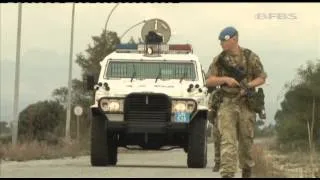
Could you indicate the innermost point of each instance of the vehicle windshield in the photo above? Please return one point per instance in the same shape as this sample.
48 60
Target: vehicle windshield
151 70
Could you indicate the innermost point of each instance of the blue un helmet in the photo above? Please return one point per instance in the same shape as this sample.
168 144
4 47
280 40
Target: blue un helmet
227 33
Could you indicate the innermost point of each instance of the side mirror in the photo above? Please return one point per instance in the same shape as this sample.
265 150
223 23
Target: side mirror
89 81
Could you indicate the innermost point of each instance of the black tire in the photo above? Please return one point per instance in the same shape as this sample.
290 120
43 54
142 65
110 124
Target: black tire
151 146
99 154
197 143
112 150
185 149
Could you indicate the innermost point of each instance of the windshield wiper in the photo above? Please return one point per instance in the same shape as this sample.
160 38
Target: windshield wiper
159 75
134 72
184 76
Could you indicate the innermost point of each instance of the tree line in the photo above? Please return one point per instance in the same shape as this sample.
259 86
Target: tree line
298 120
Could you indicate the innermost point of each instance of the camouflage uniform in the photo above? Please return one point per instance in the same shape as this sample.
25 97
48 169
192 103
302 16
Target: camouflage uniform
235 119
216 134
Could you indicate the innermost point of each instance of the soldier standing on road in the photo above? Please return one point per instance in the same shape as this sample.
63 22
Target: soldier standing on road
235 116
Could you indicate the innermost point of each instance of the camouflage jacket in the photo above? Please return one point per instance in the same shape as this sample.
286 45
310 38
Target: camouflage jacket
255 68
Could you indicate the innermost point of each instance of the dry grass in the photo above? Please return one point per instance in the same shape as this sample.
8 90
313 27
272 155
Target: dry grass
37 150
264 166
274 161
297 164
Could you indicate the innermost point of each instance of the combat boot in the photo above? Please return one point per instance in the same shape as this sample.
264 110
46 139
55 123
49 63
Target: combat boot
246 172
216 167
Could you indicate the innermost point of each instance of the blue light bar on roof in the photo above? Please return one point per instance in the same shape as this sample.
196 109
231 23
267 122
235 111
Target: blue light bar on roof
127 46
162 49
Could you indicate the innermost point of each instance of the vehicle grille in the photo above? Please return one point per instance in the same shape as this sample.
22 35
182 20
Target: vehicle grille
147 108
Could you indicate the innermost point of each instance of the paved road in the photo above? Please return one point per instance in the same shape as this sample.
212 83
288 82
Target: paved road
152 164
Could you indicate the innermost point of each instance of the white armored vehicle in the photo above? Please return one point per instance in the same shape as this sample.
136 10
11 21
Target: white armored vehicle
152 96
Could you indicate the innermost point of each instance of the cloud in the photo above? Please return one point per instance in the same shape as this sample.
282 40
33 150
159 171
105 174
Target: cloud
49 24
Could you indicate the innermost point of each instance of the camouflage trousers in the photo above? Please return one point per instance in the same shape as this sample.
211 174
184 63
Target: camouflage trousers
216 141
236 127
216 137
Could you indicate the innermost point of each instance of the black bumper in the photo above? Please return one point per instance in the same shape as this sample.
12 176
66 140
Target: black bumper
129 127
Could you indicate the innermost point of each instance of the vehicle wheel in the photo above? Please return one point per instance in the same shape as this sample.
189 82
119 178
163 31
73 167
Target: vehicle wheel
185 149
151 146
112 149
99 155
197 143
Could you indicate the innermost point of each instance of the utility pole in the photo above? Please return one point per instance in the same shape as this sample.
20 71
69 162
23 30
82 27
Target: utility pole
17 80
70 78
0 87
0 65
105 27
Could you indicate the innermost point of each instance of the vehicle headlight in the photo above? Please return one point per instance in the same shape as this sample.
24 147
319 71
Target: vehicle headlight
150 50
180 107
191 105
111 105
183 106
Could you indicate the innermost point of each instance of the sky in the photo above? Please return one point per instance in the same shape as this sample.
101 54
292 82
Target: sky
282 43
